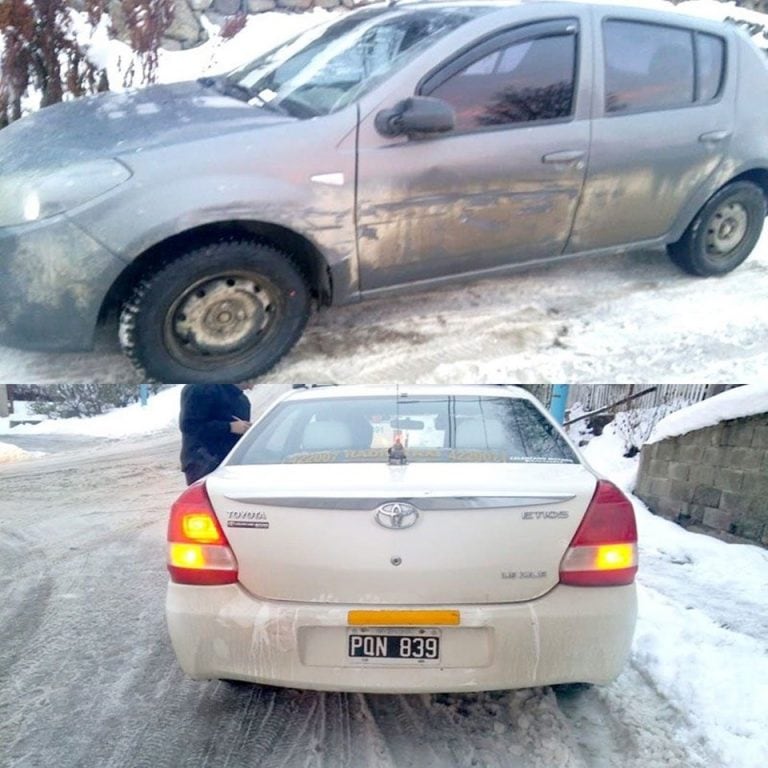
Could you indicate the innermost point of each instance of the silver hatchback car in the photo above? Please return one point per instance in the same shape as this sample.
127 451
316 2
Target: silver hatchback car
398 146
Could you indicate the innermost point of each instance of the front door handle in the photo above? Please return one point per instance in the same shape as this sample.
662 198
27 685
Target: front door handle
566 157
713 137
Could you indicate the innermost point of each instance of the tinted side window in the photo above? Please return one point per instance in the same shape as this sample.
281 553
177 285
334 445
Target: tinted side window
646 66
523 82
710 58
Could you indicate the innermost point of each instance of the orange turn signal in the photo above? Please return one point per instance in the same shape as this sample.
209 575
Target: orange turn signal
186 555
610 557
200 526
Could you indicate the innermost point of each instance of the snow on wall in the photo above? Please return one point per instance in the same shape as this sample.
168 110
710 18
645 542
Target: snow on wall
749 400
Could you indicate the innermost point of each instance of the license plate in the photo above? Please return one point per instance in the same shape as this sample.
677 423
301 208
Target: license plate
403 645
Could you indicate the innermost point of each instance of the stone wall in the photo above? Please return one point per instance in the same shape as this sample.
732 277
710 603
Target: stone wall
714 478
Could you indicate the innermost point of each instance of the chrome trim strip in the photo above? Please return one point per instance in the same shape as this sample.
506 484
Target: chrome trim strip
421 503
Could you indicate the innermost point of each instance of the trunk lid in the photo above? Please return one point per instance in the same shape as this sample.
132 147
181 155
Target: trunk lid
483 533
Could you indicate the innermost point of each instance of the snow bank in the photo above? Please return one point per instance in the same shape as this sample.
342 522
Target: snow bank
697 598
715 675
9 453
161 411
606 455
260 34
733 404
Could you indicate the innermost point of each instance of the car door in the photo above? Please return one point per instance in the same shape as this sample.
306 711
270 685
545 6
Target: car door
499 189
661 129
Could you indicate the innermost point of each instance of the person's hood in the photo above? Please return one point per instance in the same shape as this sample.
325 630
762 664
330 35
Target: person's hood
114 124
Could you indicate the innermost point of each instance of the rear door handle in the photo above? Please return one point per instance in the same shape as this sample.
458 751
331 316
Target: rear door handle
566 157
712 137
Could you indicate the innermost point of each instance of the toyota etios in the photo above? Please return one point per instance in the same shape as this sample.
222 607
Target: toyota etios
397 146
429 539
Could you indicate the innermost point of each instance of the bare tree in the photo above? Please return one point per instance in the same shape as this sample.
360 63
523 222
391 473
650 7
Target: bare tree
39 49
146 22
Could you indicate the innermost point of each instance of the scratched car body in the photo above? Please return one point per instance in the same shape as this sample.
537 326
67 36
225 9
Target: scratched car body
393 540
396 148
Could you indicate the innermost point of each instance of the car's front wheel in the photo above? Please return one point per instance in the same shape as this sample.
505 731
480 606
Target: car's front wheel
724 231
222 312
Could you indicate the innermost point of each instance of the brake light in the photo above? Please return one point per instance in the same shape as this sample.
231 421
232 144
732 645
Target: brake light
603 552
198 550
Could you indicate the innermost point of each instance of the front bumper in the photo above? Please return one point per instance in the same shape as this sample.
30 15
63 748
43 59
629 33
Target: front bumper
53 280
572 634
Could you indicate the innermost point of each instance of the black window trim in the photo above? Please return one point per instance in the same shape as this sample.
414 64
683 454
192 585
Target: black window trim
723 73
494 41
694 32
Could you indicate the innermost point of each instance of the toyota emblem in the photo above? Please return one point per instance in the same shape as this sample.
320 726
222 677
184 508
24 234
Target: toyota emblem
397 514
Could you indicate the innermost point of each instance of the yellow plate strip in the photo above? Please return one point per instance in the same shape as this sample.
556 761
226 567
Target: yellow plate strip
403 618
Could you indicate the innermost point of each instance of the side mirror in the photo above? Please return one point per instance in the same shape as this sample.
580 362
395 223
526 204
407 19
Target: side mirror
419 114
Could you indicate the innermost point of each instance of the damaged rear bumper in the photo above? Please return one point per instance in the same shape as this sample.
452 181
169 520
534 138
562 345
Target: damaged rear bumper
53 280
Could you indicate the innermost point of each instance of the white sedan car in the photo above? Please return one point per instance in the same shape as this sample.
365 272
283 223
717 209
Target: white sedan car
383 539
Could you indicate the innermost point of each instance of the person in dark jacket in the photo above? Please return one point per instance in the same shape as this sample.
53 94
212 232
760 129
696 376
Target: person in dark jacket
213 418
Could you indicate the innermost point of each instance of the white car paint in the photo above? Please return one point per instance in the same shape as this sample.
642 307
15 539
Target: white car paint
488 542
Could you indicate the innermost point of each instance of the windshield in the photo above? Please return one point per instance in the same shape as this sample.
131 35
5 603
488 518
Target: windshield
427 429
328 67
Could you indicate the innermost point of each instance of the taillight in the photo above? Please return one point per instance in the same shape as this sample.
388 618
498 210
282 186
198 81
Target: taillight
198 550
603 553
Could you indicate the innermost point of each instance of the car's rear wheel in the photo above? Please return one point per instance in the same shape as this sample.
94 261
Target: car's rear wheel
724 231
222 312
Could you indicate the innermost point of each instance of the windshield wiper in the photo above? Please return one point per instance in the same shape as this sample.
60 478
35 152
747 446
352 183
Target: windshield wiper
226 87
237 91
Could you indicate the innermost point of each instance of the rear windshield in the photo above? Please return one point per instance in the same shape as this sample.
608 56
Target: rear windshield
424 429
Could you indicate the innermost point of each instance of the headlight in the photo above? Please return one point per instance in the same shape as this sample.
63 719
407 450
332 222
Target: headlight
38 195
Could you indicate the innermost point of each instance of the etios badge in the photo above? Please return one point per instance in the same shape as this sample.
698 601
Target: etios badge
397 514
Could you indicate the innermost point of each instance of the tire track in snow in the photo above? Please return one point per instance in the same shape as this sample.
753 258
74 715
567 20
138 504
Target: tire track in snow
628 724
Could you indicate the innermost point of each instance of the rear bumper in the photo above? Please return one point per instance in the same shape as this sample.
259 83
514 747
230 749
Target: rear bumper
572 634
53 280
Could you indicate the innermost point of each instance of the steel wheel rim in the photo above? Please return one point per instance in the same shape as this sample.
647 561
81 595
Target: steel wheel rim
726 229
217 319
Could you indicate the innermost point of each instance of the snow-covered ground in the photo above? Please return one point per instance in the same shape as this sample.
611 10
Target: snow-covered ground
84 651
10 452
160 413
702 633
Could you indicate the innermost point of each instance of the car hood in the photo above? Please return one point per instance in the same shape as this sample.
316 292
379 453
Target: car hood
114 124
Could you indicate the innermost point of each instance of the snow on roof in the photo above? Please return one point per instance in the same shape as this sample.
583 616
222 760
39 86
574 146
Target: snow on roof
749 400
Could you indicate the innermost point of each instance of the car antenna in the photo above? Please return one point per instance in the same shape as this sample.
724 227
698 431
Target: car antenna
396 452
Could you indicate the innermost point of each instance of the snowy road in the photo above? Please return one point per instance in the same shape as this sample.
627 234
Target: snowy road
631 317
88 678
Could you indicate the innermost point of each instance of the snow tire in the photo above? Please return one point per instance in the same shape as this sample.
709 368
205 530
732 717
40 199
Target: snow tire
224 312
724 232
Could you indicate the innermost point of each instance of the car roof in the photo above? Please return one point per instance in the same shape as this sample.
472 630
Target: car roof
652 6
392 390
